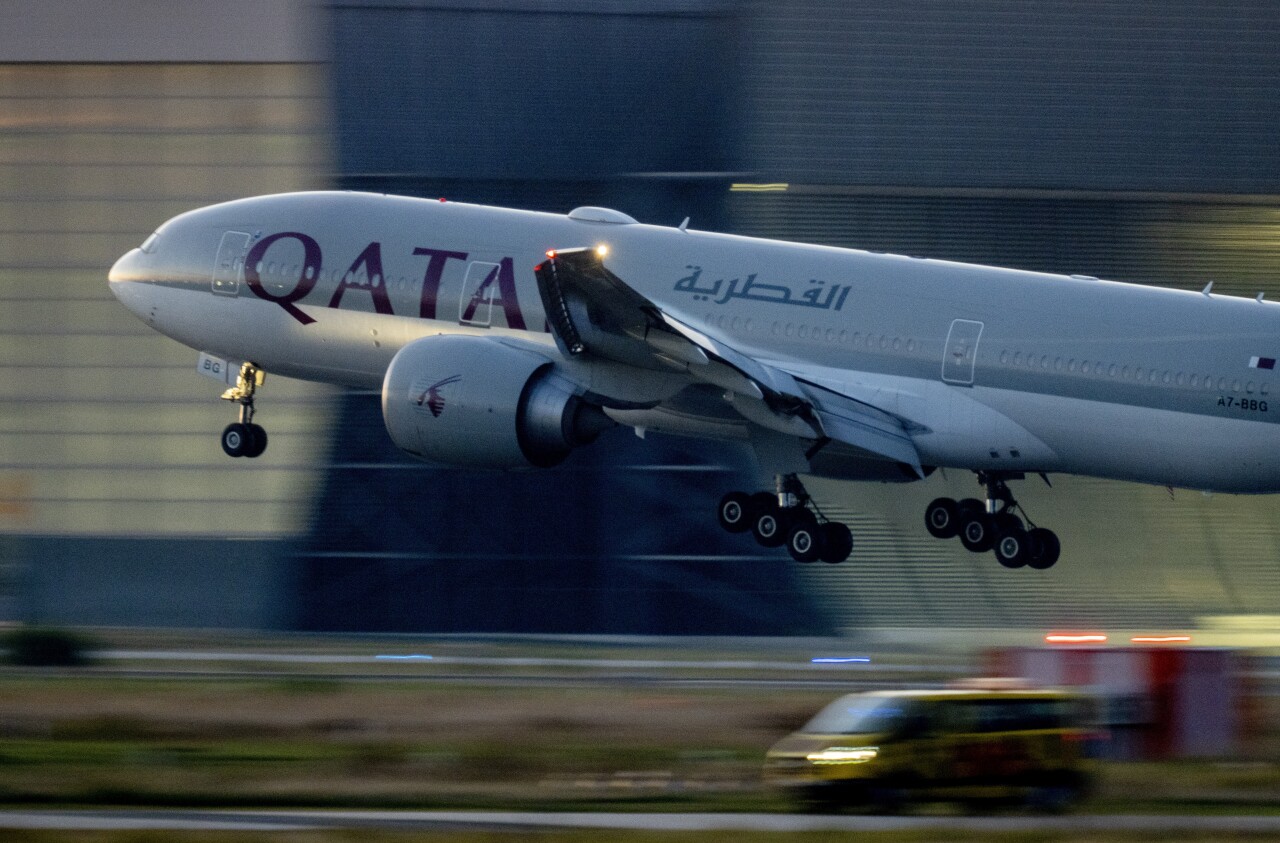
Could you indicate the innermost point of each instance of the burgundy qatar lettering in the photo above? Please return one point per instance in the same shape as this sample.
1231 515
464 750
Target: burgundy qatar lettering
308 274
366 275
372 282
431 280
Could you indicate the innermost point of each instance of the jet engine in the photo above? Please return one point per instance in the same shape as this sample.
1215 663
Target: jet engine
484 402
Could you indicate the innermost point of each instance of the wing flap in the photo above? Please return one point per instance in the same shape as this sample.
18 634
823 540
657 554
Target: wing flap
592 311
863 426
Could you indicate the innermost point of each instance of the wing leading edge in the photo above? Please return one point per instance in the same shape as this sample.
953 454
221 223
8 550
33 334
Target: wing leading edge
591 311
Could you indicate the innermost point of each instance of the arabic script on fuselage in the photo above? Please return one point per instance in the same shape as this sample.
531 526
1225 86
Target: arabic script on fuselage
819 294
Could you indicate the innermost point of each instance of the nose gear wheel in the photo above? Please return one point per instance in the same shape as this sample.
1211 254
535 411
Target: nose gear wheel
244 438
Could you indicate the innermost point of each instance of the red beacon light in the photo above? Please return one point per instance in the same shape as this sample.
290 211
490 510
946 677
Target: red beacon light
1160 639
1075 638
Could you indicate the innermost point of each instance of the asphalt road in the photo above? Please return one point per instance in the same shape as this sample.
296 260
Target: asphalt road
1172 825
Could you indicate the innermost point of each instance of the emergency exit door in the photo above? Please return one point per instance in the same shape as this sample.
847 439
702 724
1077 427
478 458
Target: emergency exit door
961 351
229 265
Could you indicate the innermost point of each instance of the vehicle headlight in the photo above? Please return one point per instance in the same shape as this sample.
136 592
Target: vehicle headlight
844 755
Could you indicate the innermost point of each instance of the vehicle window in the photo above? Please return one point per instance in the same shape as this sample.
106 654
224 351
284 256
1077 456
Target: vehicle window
1013 715
858 714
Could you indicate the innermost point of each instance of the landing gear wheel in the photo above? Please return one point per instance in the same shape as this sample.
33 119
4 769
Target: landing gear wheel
942 518
257 440
1044 548
769 525
1007 522
837 542
236 439
993 524
243 438
977 532
735 511
804 539
1011 547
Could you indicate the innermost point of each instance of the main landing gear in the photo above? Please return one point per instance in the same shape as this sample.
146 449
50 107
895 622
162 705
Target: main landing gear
787 516
993 525
243 438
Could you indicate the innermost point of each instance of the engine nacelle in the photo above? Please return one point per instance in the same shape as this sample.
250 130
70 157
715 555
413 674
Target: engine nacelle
479 402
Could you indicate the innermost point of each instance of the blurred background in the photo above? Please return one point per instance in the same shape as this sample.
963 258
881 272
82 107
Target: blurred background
1127 141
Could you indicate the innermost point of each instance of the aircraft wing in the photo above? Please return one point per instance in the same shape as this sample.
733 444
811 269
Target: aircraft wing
591 311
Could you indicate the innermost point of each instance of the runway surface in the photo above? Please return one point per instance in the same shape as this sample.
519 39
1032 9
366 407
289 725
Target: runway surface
1172 825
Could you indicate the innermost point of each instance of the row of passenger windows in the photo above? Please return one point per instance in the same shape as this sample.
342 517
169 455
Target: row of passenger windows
791 330
286 273
1017 359
1133 374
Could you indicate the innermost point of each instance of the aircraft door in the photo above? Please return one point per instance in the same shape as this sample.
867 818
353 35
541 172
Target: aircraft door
229 265
475 307
961 352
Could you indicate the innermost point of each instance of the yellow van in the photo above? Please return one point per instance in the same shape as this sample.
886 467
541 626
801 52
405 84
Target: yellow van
886 748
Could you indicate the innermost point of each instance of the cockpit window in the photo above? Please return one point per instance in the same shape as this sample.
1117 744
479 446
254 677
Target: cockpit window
150 243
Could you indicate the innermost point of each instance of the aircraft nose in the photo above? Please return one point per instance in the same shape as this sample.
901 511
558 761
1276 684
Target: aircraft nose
126 281
125 269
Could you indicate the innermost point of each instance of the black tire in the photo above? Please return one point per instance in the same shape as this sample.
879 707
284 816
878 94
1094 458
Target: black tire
236 439
1045 549
977 532
820 799
805 540
257 441
837 542
734 512
769 524
1006 522
1011 548
942 518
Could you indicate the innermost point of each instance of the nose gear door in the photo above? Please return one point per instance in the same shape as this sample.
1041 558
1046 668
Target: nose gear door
229 265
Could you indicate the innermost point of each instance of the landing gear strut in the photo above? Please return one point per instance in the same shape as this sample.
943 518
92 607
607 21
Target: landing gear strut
787 516
994 526
243 438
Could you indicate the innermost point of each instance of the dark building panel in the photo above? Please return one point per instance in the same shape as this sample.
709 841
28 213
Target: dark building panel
531 91
548 107
212 583
619 539
1058 94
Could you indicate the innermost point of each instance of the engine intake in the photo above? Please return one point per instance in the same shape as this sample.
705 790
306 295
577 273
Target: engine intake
485 403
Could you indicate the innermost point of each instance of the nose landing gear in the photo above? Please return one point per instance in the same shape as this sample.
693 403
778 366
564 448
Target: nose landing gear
994 526
787 516
243 438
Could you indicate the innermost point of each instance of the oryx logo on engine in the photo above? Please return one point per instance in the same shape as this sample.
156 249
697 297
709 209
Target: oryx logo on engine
431 397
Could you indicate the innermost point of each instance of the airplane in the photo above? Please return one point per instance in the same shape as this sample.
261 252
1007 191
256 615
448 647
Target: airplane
506 339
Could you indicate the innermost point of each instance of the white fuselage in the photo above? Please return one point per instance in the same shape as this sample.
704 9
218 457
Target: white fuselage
992 369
